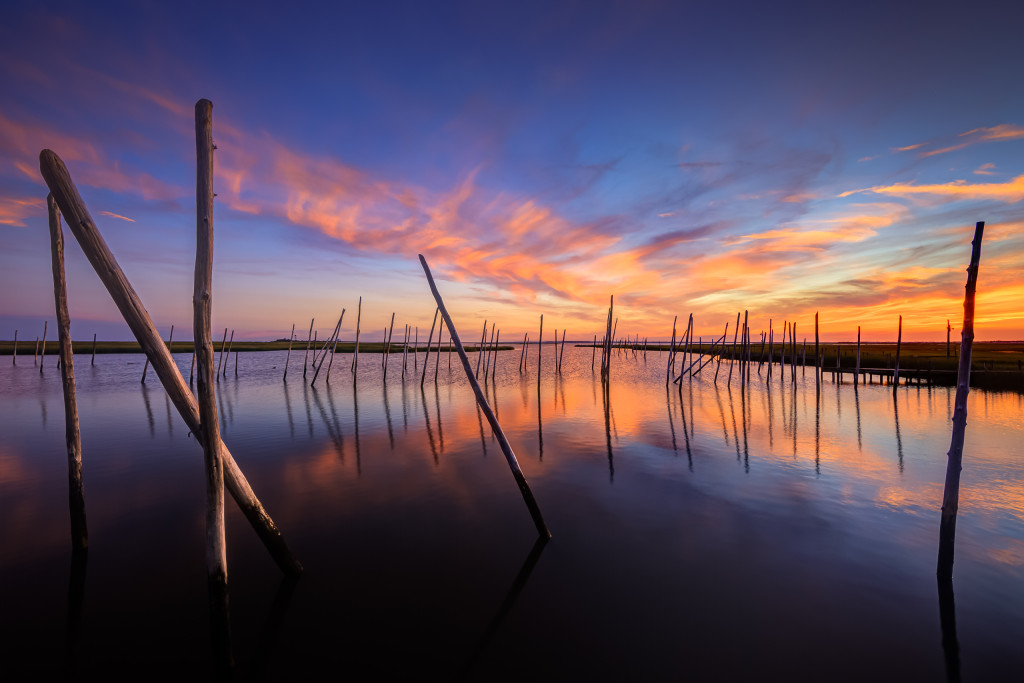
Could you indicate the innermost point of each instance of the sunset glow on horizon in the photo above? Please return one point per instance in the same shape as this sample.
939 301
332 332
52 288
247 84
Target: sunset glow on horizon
683 159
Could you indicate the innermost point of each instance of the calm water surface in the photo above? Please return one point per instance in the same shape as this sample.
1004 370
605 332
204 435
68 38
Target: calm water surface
708 532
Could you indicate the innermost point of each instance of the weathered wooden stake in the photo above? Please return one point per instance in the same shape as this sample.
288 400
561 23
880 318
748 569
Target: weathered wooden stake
951 491
355 352
540 349
288 358
480 349
220 358
72 434
42 352
92 362
856 376
510 457
671 352
309 341
405 350
96 250
522 353
896 368
948 330
193 367
817 353
334 348
426 359
231 342
561 353
202 307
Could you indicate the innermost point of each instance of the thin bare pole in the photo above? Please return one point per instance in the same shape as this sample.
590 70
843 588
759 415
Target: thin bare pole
561 354
540 349
426 359
449 352
192 369
387 347
324 351
593 353
93 362
494 363
405 350
231 342
416 350
309 341
522 353
506 449
732 353
721 351
951 491
487 352
202 306
856 377
334 347
223 345
288 358
72 433
437 356
817 352
355 352
896 368
14 356
96 250
42 353
671 351
480 349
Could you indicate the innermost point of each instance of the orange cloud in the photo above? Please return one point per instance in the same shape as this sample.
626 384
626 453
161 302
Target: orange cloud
115 215
1011 191
14 211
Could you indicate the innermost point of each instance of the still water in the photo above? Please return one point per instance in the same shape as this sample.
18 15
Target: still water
708 532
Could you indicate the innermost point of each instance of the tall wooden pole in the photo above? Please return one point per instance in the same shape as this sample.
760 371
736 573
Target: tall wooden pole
42 351
288 358
426 359
671 352
948 330
405 350
355 352
80 223
72 435
202 308
506 449
231 342
14 355
951 491
480 350
309 340
522 353
92 362
856 377
387 347
817 356
896 368
540 349
223 345
561 354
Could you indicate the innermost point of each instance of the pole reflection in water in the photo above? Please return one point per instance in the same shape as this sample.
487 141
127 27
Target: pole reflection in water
76 599
856 405
540 425
437 404
272 628
309 409
606 397
480 421
170 421
430 432
671 426
387 417
288 410
355 416
336 437
518 584
947 621
149 411
896 418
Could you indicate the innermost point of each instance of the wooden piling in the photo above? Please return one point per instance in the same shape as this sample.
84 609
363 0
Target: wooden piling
72 433
540 349
355 352
506 449
42 352
671 352
817 352
387 347
96 250
288 358
14 355
561 353
231 342
193 367
426 360
202 307
92 362
896 368
309 341
951 490
522 353
494 362
948 330
334 347
223 345
480 349
856 375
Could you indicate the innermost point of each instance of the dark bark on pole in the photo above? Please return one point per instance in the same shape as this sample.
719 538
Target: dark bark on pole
426 359
355 352
42 349
517 473
334 347
309 340
72 434
209 427
896 368
951 491
288 359
405 350
96 250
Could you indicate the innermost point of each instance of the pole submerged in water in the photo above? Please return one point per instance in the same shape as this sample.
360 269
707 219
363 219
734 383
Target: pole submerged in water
951 489
288 359
506 449
72 432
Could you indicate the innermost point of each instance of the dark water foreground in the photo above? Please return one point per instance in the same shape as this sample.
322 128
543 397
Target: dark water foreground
771 533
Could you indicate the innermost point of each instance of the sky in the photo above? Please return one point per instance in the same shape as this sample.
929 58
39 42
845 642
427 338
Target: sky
779 158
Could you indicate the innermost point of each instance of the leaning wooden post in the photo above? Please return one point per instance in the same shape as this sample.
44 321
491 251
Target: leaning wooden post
426 360
128 303
405 350
202 308
288 358
951 492
14 355
231 342
522 353
192 369
480 351
42 351
93 362
524 487
355 352
387 345
896 368
72 435
223 345
593 353
671 351
334 347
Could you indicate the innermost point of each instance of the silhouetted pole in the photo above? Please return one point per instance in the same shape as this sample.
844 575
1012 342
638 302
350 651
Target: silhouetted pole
540 349
480 350
951 491
896 368
522 353
58 180
948 330
671 352
817 356
355 352
856 376
42 352
202 307
524 487
14 355
220 359
92 362
426 359
309 341
405 350
231 342
287 359
72 434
